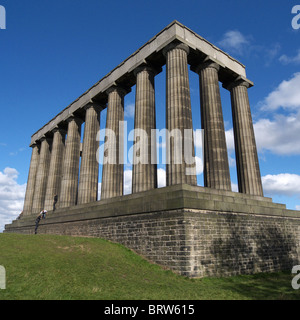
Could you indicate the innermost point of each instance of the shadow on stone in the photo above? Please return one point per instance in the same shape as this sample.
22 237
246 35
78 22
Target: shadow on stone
240 250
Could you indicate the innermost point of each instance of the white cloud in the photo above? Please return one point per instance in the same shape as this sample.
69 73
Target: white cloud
297 207
129 110
234 187
229 139
161 178
286 95
99 191
286 59
271 52
198 138
284 184
199 165
280 135
11 196
127 181
234 41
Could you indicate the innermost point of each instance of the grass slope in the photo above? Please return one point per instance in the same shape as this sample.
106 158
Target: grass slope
62 267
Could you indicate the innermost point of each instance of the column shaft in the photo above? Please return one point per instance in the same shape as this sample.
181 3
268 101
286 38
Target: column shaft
144 173
89 171
55 170
216 167
41 176
30 189
249 178
113 167
180 166
69 184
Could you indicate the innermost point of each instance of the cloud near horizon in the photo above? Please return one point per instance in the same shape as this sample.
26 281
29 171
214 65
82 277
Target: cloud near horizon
283 184
12 196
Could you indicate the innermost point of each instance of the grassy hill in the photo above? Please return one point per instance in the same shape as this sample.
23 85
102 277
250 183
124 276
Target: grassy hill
62 267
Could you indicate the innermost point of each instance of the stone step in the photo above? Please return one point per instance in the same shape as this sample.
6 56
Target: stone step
169 198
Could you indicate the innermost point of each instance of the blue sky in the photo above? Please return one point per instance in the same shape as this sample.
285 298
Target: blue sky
53 51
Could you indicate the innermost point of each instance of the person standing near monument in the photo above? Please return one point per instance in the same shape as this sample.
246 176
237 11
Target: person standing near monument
43 214
37 221
55 201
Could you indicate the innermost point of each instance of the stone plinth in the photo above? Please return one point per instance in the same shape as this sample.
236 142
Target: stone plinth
193 231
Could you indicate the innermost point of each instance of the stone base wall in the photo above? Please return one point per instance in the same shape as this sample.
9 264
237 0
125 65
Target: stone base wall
197 244
191 242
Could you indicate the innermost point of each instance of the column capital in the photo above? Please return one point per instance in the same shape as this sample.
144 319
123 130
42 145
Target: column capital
147 67
77 119
175 45
59 129
206 63
239 81
35 144
120 90
98 107
44 137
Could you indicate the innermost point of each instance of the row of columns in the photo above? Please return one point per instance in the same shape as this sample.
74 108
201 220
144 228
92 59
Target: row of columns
54 167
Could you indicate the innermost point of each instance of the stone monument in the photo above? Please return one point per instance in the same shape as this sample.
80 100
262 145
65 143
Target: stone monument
195 231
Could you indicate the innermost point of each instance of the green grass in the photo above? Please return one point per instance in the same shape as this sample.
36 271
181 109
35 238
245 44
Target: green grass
61 267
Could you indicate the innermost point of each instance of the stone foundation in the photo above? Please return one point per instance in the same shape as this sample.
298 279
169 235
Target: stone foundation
193 231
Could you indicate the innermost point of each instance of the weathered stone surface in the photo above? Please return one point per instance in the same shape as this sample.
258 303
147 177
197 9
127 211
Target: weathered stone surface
34 162
113 165
42 176
89 171
55 170
69 184
216 167
248 172
144 170
179 165
195 231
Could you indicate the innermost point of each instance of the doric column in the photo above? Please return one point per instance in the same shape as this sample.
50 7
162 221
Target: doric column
27 210
69 183
144 172
89 171
180 149
42 176
113 167
55 170
216 167
249 178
